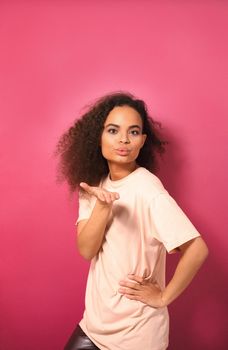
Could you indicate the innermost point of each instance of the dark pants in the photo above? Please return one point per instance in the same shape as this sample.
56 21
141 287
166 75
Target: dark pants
79 341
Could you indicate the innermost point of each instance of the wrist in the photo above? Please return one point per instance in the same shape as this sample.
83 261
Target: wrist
164 301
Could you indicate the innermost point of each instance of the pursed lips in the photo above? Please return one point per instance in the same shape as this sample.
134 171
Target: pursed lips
122 151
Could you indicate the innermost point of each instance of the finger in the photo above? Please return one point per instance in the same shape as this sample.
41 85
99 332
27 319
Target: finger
85 186
138 279
101 197
130 291
132 297
116 195
135 286
108 197
111 196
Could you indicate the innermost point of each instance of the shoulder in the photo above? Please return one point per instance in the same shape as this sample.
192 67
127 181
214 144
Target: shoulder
150 184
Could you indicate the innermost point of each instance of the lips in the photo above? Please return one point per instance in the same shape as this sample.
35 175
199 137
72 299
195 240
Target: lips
122 151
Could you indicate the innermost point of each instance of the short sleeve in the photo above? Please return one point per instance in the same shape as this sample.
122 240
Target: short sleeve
85 206
171 225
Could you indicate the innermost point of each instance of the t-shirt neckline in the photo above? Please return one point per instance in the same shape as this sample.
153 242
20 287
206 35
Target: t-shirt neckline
123 180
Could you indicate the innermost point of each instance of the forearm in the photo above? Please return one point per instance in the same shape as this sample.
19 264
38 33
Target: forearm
89 239
191 260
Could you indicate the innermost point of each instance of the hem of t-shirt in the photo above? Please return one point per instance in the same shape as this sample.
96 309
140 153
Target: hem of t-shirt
164 346
172 245
83 327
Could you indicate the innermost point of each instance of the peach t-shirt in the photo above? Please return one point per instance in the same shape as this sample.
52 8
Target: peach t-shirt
145 222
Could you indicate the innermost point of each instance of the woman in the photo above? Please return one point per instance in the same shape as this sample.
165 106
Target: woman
127 221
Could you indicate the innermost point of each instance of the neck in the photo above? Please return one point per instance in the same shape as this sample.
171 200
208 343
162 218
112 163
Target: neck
118 171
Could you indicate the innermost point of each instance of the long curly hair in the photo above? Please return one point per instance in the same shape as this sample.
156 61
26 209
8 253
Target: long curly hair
79 150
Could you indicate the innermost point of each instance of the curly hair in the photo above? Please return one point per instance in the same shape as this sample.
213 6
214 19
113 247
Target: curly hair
79 149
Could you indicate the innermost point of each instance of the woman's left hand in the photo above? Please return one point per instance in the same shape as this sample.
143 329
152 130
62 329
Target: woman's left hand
142 290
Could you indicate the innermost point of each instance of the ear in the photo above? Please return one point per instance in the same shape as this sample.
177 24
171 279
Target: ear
144 136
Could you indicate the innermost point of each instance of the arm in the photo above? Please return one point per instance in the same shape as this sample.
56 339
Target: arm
193 254
91 232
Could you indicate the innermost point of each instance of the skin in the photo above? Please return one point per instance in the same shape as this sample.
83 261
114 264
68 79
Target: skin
123 130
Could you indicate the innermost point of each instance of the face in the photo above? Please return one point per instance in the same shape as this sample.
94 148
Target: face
122 137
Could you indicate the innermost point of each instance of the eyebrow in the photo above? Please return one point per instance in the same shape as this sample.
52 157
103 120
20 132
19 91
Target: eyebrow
117 126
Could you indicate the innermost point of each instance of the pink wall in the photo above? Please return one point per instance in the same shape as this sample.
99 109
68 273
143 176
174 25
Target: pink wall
55 57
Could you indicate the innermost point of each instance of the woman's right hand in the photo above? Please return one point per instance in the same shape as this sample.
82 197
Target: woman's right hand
104 196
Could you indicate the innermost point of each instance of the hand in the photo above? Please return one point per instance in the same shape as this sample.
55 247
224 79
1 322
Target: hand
142 290
102 195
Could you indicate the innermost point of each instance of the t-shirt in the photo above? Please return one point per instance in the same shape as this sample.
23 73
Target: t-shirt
144 223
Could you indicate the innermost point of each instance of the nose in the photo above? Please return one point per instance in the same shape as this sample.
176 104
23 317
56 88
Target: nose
124 139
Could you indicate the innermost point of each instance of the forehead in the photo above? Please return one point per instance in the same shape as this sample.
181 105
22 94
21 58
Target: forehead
123 115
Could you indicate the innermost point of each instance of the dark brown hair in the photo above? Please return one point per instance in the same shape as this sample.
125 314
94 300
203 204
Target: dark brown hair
80 157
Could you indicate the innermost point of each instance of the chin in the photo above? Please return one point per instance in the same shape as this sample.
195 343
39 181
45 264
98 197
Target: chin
121 161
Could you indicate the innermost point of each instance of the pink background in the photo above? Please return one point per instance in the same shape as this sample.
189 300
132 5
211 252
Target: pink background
56 56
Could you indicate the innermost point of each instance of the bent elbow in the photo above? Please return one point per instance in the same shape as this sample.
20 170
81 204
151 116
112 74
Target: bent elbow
86 254
87 257
205 252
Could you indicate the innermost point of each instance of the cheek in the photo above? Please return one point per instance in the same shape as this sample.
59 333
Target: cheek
103 142
105 145
107 140
138 145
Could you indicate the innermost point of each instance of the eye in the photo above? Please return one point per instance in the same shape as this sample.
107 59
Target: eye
135 132
112 131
